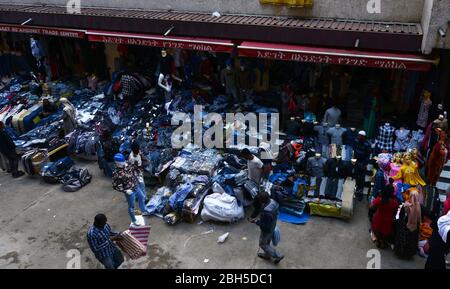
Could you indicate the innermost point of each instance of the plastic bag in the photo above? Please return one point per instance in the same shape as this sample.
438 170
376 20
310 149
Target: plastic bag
276 238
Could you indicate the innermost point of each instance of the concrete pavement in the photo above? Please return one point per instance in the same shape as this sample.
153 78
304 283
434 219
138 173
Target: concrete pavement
40 223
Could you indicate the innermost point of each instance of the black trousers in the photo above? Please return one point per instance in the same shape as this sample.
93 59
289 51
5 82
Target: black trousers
13 160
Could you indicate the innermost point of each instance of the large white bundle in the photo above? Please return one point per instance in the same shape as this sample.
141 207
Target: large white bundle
222 208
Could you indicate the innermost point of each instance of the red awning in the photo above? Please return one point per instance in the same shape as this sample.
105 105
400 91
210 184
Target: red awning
62 32
336 56
202 44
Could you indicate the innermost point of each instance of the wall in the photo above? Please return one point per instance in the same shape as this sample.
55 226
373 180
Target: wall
436 15
391 10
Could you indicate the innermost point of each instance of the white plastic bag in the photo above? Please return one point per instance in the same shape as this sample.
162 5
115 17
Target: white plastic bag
222 208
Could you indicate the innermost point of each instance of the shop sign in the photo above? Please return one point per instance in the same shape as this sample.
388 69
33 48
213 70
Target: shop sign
61 32
334 58
181 43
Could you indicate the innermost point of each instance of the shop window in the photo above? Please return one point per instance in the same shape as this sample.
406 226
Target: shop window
292 3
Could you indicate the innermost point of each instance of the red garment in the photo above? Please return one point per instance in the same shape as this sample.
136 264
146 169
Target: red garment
383 219
438 157
446 205
426 138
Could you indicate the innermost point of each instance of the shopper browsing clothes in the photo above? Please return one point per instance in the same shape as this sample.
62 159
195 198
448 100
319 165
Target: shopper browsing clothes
8 149
385 207
267 222
100 238
254 166
125 179
139 161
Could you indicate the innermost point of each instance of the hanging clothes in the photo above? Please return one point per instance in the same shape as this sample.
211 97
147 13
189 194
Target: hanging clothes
402 139
385 138
335 135
438 157
370 120
416 140
422 118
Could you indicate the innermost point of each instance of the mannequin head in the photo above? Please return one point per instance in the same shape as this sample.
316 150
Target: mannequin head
397 158
441 117
407 159
338 158
318 156
353 161
426 95
440 106
353 128
338 125
387 124
163 53
414 154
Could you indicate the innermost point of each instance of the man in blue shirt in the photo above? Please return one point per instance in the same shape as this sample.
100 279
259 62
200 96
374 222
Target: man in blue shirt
100 239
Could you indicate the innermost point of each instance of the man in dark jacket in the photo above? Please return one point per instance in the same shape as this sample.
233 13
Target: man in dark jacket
8 149
361 149
267 223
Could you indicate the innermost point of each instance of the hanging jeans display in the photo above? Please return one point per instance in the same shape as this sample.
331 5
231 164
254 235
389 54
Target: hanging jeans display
347 152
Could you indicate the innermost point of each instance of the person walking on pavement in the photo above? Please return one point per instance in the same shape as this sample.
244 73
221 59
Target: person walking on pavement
100 238
267 223
8 149
125 179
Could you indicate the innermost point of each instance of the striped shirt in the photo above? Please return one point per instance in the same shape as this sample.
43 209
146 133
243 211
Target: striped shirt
100 241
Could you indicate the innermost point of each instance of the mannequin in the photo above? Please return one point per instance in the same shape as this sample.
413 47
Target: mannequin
315 168
165 82
245 83
335 134
356 170
262 78
332 115
395 167
306 128
228 78
92 81
322 140
385 138
349 140
437 111
416 139
422 118
335 171
442 123
166 63
401 141
438 157
292 127
409 173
